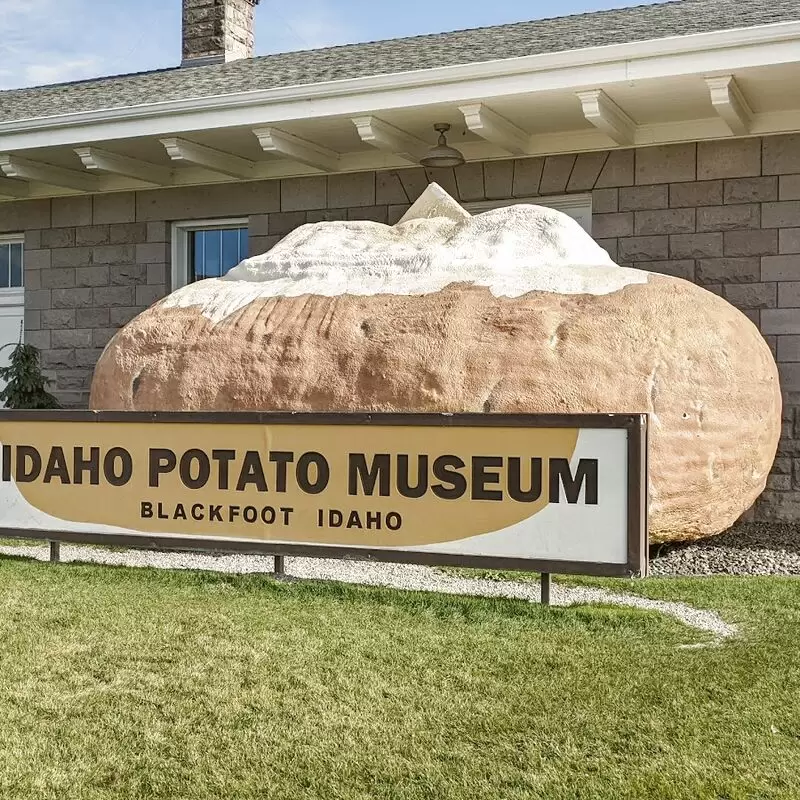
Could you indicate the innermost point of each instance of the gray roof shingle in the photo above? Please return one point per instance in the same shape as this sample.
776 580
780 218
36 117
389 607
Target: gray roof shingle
680 17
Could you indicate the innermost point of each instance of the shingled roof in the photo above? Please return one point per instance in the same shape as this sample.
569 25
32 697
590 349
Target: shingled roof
640 23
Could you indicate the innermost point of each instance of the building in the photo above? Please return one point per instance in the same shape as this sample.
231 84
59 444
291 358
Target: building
670 131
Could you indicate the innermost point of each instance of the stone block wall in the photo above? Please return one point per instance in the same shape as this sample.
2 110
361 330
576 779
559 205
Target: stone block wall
725 214
90 267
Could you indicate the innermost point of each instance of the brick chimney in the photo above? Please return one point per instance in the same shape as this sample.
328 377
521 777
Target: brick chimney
216 31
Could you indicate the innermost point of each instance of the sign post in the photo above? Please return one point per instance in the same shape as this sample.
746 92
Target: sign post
545 493
545 588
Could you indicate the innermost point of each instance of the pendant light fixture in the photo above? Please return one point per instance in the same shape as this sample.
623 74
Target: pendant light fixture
442 155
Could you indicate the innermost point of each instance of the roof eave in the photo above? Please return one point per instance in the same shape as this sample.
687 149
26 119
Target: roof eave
710 53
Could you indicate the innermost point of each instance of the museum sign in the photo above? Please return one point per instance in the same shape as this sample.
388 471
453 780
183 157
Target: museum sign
545 493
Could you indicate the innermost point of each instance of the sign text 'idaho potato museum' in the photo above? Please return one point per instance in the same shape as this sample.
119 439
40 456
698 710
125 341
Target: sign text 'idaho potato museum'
561 494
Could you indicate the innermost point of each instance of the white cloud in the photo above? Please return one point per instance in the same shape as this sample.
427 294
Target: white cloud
28 52
11 14
54 41
62 71
316 24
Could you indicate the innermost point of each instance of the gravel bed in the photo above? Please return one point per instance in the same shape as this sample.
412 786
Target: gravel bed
398 576
747 549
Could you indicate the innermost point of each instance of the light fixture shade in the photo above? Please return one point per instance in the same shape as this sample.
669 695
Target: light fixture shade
442 155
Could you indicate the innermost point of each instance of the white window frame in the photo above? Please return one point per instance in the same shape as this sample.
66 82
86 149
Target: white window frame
180 243
13 295
12 299
577 206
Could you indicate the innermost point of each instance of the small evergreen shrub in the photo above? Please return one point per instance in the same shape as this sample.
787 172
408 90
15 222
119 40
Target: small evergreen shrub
26 387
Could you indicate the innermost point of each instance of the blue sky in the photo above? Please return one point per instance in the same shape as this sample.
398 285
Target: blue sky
47 41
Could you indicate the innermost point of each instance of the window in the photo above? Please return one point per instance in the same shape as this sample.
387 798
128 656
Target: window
577 206
12 295
11 273
206 249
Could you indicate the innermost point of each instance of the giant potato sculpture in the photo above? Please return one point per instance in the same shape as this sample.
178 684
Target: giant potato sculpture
514 310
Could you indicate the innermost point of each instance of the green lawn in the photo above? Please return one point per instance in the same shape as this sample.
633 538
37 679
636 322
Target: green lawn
122 683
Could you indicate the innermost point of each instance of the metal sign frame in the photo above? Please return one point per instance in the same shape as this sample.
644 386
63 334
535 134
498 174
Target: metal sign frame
637 488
